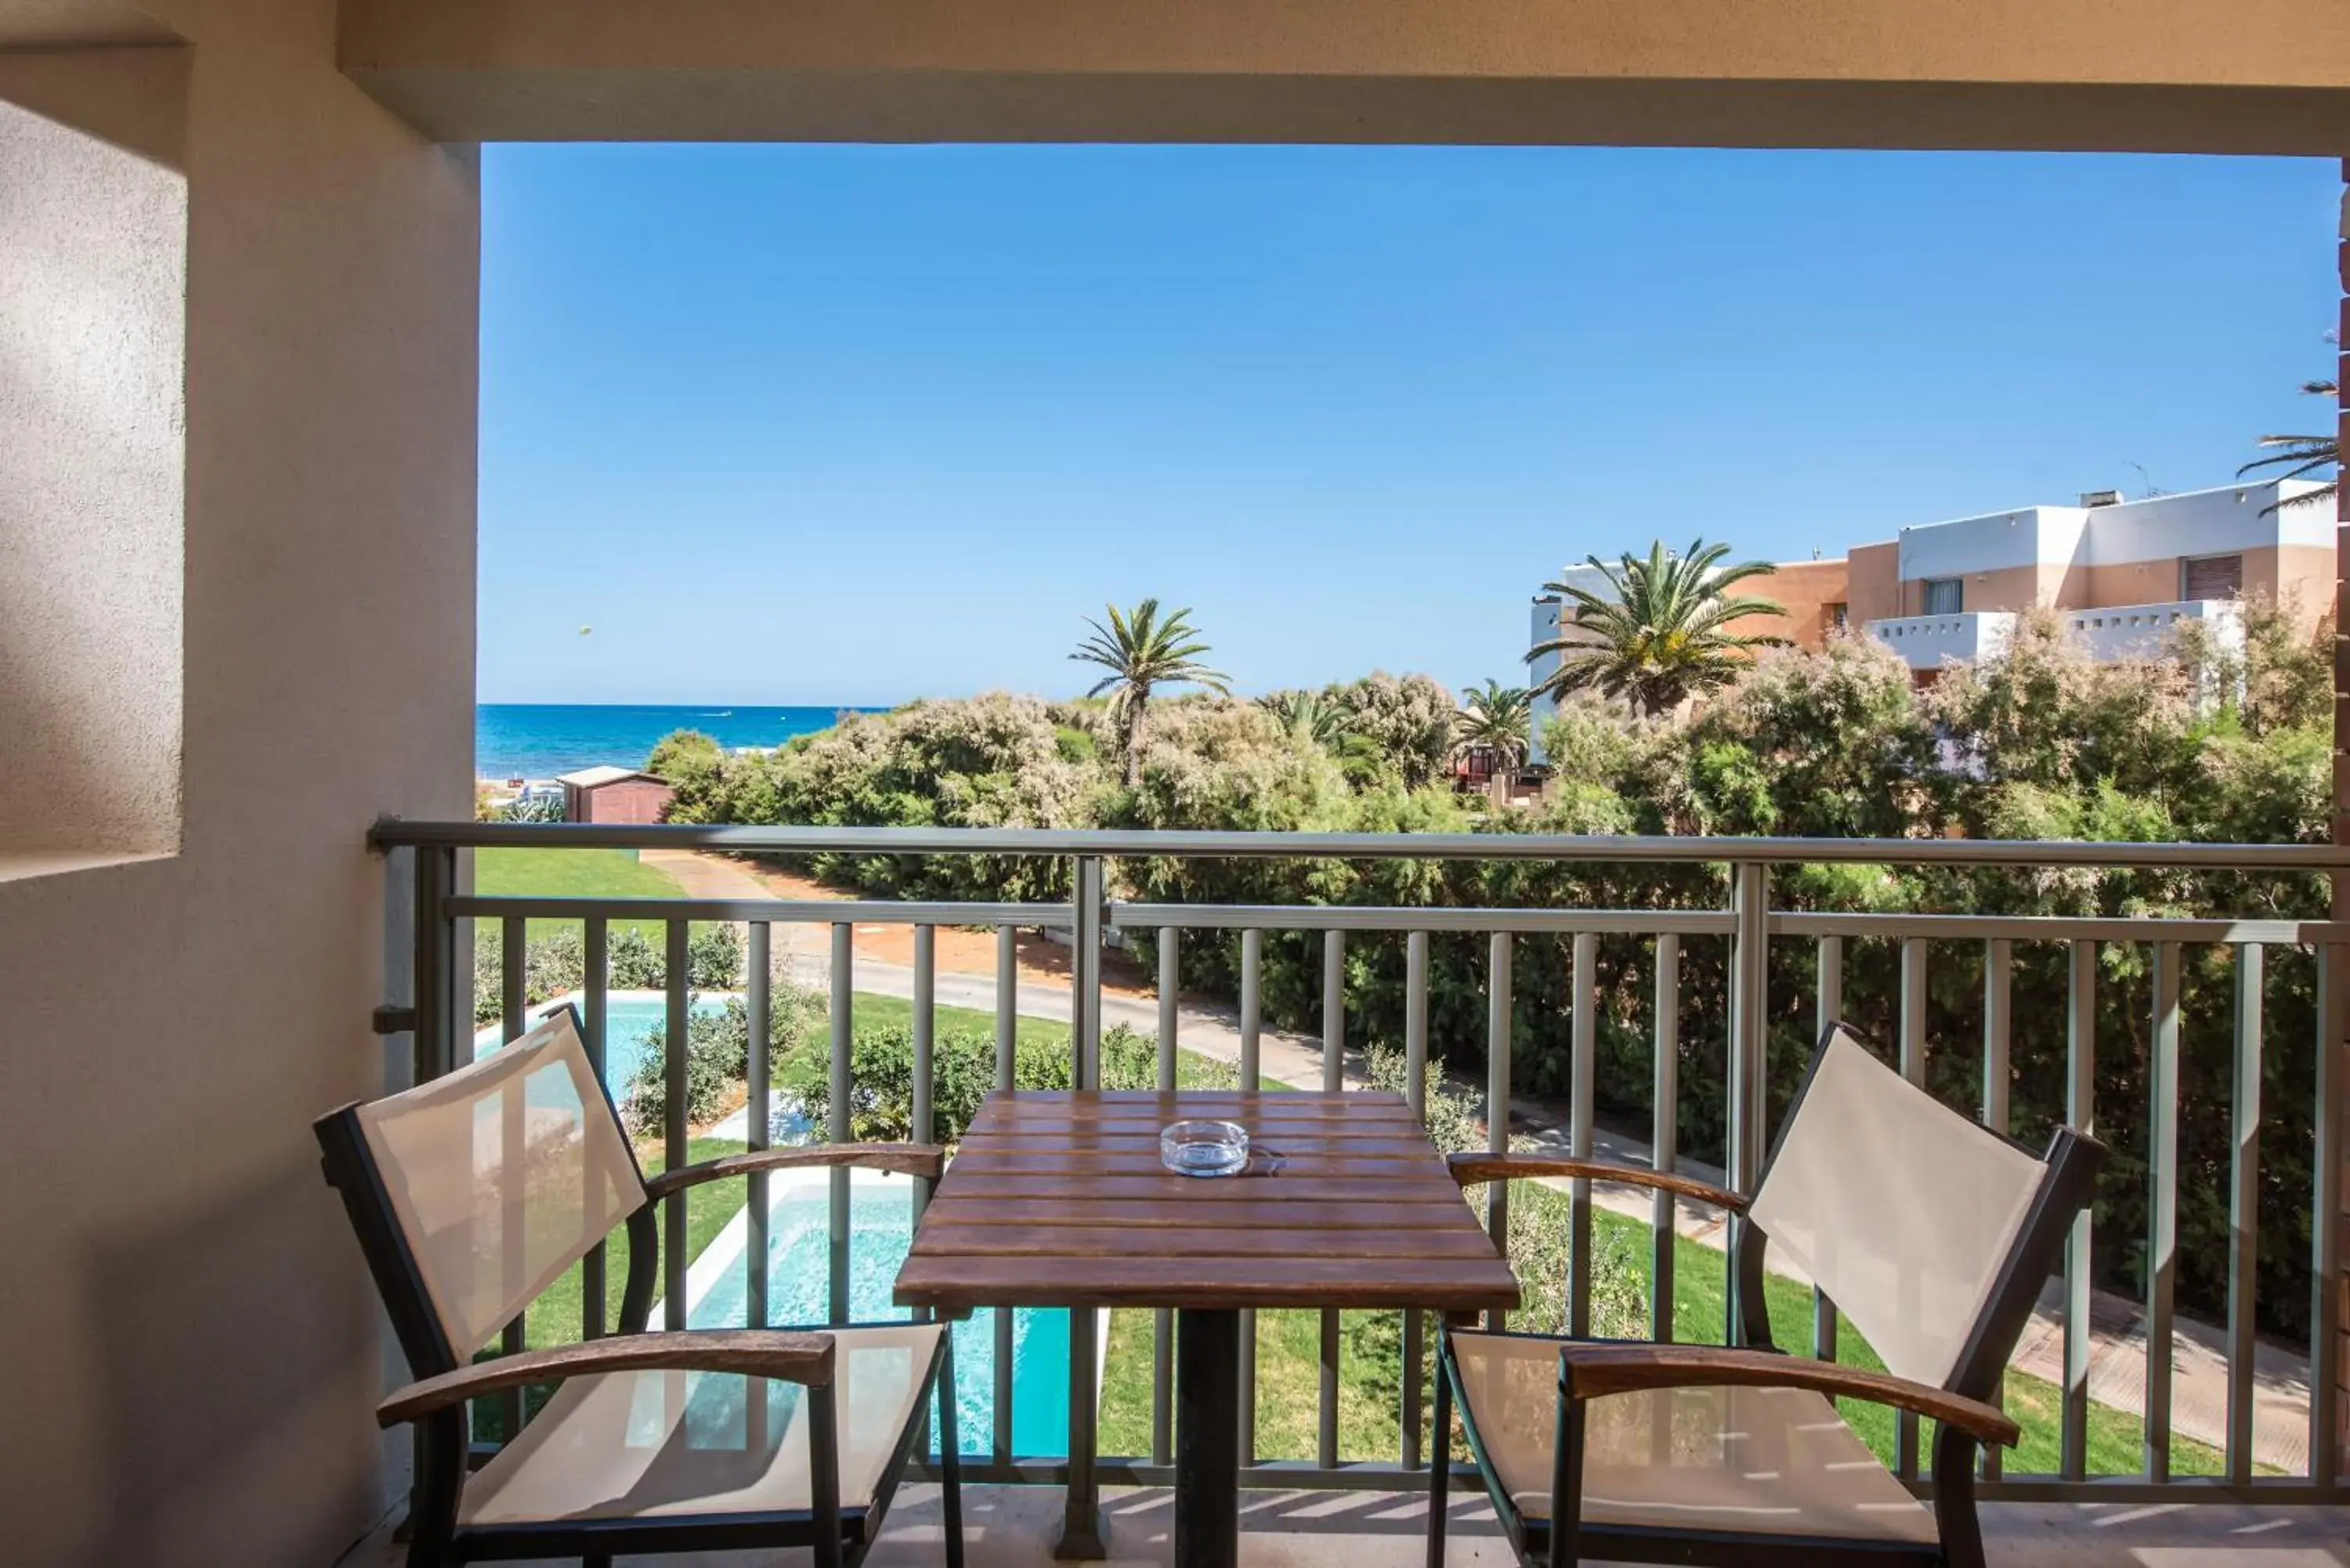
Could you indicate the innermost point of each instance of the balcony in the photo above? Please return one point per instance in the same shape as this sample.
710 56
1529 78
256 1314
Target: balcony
1930 641
2142 631
2111 633
2149 1407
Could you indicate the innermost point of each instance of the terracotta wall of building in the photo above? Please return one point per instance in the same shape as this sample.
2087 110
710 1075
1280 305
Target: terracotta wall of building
1807 589
1873 582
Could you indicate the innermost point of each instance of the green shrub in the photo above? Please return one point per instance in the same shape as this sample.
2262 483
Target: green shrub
634 962
714 1066
881 1076
714 957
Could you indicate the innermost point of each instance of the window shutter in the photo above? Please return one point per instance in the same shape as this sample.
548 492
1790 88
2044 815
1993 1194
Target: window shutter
2212 578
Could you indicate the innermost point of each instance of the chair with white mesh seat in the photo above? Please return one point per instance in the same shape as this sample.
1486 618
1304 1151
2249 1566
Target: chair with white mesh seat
471 1194
1931 1234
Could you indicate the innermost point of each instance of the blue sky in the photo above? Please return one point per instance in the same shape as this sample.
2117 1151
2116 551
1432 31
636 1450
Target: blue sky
849 425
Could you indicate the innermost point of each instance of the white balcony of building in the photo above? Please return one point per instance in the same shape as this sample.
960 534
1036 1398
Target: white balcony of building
1929 641
2144 632
2110 633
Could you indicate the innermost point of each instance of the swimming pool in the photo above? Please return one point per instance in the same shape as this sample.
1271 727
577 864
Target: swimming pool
880 1228
629 1020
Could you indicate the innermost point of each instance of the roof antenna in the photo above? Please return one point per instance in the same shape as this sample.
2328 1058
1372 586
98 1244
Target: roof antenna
2152 490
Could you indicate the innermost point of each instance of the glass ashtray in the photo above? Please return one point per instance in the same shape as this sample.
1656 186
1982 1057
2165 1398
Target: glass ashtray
1204 1148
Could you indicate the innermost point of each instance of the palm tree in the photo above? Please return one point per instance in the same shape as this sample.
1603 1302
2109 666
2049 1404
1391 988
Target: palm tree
1661 632
1140 651
2305 454
1498 718
1307 717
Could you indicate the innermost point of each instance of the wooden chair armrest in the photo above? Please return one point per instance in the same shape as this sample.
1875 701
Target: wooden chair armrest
790 1357
907 1159
787 1357
1590 1370
1469 1169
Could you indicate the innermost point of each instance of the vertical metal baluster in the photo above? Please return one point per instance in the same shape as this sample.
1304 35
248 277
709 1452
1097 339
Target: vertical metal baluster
1664 1137
759 1011
1749 900
2162 1208
513 1018
1007 1033
1913 1067
1415 1089
675 1148
1171 996
838 1089
1583 1070
922 1115
1085 973
2325 1218
1252 1008
1007 1004
1334 1012
437 1016
1162 1321
2244 1208
2080 1114
1081 1514
1334 1081
1999 957
594 991
1252 1074
1830 1013
1497 1094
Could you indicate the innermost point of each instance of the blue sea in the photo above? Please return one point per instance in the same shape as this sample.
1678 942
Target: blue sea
541 740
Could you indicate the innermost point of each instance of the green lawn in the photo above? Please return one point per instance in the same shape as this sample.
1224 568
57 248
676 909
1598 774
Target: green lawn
573 874
1289 1359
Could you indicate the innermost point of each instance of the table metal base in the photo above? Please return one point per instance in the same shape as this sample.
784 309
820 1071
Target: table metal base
1207 1438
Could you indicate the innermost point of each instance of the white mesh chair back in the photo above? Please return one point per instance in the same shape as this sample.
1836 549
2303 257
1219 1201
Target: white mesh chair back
1899 1209
502 1175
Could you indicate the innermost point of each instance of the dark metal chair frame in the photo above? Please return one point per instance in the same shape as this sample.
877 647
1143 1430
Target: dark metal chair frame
436 1403
1593 1368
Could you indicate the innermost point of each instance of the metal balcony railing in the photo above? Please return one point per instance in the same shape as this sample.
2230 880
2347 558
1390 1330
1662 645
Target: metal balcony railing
428 1013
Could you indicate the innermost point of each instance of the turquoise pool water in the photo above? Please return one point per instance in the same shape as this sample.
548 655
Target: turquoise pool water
628 1025
880 1228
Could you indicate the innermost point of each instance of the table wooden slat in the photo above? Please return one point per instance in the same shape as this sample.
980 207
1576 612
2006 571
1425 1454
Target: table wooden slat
1057 1199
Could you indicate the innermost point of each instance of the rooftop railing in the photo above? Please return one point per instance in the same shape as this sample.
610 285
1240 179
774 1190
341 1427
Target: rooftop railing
429 1020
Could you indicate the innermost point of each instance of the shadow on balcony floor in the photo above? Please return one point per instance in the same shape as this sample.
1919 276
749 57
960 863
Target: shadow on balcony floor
1013 1527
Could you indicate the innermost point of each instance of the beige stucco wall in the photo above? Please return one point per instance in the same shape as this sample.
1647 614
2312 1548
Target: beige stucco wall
93 281
190 1350
2298 577
2148 582
2001 589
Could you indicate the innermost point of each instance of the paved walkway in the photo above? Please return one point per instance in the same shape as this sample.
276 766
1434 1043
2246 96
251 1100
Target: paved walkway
2118 1362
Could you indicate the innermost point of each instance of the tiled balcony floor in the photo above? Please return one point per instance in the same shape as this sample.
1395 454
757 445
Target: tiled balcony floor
1013 1527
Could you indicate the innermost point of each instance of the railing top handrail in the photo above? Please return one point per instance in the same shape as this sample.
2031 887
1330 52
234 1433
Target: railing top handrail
1590 848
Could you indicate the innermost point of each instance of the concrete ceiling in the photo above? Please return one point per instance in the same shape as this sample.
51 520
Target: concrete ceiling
56 24
2213 76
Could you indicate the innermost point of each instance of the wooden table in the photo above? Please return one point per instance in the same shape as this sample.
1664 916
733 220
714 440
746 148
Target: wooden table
1057 1199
